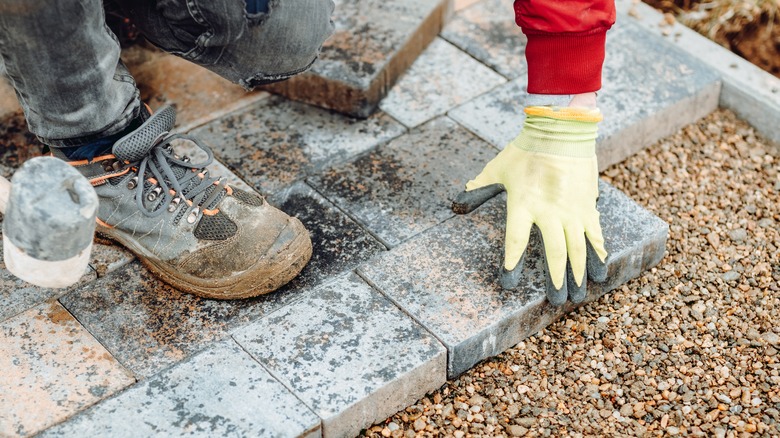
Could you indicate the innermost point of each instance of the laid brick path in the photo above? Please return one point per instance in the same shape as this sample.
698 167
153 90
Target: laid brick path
400 294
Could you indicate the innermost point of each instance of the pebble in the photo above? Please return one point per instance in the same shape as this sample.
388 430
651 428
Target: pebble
691 345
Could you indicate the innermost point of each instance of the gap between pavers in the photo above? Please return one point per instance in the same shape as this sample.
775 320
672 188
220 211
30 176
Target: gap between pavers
348 353
374 42
752 93
447 278
221 391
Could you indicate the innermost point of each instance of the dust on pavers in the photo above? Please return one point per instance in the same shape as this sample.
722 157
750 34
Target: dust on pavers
198 94
338 243
348 353
650 89
51 368
454 289
406 186
488 32
147 325
276 142
440 79
219 392
375 41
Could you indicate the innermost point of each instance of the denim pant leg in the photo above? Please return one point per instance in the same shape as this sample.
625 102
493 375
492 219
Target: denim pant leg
64 64
220 35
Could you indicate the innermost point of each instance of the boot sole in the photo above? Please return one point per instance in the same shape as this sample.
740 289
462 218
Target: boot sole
255 281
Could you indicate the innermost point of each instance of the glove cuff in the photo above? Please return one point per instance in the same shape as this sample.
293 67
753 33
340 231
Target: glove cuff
567 131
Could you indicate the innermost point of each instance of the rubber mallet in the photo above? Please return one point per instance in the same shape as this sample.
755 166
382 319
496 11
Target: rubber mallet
49 213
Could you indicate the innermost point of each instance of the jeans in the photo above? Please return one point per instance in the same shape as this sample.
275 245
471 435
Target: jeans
63 61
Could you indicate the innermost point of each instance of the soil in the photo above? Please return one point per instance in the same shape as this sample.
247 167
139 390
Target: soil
755 37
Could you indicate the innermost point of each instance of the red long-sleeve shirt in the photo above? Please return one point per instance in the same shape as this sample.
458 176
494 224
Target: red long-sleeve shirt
566 38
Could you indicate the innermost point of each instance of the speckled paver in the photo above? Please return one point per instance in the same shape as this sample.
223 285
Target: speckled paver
51 368
220 392
441 78
347 353
148 325
651 89
199 95
407 185
375 41
488 32
277 142
338 243
453 289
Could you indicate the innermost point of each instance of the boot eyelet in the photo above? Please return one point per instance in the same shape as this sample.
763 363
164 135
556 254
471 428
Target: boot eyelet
153 194
132 183
193 216
174 205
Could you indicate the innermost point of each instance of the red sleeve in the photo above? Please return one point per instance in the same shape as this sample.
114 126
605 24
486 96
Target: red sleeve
565 50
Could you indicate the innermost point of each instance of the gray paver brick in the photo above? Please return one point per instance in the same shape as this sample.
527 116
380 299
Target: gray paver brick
51 369
651 89
220 392
348 353
405 187
487 31
454 289
276 142
338 243
147 325
375 41
441 78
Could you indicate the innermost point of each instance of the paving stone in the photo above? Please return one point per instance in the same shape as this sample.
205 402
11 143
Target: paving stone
454 288
406 186
651 89
277 142
148 325
198 94
488 32
51 368
441 78
338 243
220 392
375 41
348 353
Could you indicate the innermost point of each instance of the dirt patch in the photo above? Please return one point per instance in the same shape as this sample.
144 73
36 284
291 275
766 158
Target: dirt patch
751 29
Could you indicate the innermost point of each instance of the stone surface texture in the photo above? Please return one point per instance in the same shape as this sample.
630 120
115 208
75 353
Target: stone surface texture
650 90
277 142
148 326
338 243
375 41
486 30
406 186
441 78
51 368
454 291
348 353
218 393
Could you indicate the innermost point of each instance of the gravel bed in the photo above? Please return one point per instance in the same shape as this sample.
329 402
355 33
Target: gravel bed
689 349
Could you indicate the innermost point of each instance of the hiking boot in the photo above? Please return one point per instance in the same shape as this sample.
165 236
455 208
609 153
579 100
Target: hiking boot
193 231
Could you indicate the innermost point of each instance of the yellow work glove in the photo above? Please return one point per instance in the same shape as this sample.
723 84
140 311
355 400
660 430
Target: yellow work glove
550 175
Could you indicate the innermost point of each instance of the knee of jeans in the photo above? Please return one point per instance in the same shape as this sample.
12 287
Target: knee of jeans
280 43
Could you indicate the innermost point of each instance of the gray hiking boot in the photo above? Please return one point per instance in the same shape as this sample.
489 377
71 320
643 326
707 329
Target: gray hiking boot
194 232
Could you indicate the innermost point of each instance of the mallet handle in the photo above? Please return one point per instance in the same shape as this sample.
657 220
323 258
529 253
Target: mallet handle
5 192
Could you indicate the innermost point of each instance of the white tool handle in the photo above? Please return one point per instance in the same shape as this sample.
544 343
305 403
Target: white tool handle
5 192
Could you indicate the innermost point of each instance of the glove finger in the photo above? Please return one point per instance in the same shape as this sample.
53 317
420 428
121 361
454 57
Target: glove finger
518 230
487 177
576 249
467 201
554 240
578 287
511 279
556 294
597 254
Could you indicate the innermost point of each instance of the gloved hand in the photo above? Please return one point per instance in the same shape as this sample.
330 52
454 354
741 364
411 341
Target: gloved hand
550 175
